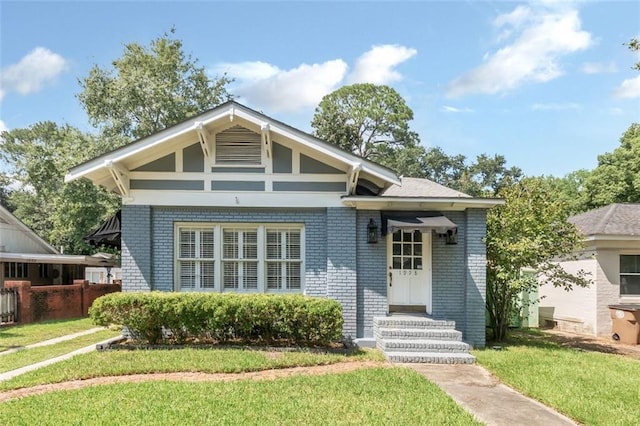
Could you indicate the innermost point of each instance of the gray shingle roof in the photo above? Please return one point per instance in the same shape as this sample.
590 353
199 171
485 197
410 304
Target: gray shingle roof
614 219
419 188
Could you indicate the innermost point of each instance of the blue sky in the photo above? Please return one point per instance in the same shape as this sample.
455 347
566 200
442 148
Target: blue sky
549 85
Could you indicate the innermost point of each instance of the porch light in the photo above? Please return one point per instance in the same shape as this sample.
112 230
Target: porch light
372 232
451 237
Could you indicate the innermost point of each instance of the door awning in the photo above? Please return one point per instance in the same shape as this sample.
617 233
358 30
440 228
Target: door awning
441 224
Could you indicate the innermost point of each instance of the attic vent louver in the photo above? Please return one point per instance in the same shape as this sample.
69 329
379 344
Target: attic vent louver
238 145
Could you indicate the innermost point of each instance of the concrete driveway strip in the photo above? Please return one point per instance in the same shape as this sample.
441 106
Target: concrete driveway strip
13 373
490 401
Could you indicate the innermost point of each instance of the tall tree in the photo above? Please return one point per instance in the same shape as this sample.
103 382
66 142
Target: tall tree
148 89
570 189
616 179
369 120
528 232
5 192
38 157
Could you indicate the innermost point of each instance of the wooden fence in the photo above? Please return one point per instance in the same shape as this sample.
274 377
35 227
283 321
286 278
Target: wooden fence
8 305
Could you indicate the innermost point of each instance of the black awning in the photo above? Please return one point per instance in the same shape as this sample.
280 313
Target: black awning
108 234
440 224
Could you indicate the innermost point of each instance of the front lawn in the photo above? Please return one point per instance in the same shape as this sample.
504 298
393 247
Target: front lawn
592 388
123 362
23 335
376 396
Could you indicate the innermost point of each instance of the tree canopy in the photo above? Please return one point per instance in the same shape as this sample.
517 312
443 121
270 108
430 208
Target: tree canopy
39 157
369 120
616 179
148 89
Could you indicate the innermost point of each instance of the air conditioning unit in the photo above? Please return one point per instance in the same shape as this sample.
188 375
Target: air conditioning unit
56 273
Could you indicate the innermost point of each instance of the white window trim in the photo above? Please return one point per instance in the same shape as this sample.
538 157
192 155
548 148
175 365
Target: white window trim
198 285
218 228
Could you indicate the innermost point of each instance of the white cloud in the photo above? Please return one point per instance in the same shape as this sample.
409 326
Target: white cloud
448 108
377 65
556 107
598 67
256 70
539 39
285 90
34 71
628 89
265 85
3 127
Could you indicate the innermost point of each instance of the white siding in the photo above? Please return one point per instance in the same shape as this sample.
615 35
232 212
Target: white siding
574 310
15 240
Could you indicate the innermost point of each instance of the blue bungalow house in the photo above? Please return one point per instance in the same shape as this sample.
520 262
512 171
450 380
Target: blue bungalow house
234 201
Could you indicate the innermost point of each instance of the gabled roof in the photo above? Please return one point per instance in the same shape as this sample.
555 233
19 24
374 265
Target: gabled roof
95 169
416 187
615 219
7 217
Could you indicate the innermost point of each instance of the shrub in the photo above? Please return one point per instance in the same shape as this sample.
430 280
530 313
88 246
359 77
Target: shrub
157 317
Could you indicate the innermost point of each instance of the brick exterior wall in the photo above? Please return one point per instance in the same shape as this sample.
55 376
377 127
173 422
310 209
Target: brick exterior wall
341 263
136 242
448 275
372 274
476 277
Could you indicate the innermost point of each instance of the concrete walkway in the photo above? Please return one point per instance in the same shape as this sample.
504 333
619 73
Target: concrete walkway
13 373
491 402
54 341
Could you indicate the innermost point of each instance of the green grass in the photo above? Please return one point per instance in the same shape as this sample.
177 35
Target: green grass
23 335
117 363
378 396
25 357
592 388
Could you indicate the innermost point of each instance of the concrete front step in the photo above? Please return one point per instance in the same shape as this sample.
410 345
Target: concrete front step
412 322
441 346
416 333
431 357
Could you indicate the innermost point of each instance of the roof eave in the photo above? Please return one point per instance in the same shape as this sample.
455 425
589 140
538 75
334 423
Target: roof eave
445 203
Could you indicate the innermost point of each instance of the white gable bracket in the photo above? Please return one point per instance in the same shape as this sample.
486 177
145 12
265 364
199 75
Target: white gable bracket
266 138
120 175
203 137
232 113
354 173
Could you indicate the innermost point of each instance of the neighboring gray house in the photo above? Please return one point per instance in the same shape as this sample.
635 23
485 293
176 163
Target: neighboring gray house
233 200
611 253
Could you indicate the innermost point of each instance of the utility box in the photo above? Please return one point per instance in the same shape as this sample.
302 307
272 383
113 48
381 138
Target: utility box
625 323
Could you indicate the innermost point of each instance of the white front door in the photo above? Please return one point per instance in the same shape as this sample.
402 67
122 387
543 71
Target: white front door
409 268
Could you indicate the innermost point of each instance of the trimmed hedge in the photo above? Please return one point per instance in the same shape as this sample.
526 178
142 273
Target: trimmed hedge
161 317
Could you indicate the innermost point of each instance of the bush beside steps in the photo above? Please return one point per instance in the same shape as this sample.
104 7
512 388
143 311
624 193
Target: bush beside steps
179 318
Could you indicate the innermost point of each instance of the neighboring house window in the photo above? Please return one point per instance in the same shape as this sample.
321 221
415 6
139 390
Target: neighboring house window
237 257
630 275
16 270
196 259
238 145
43 270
